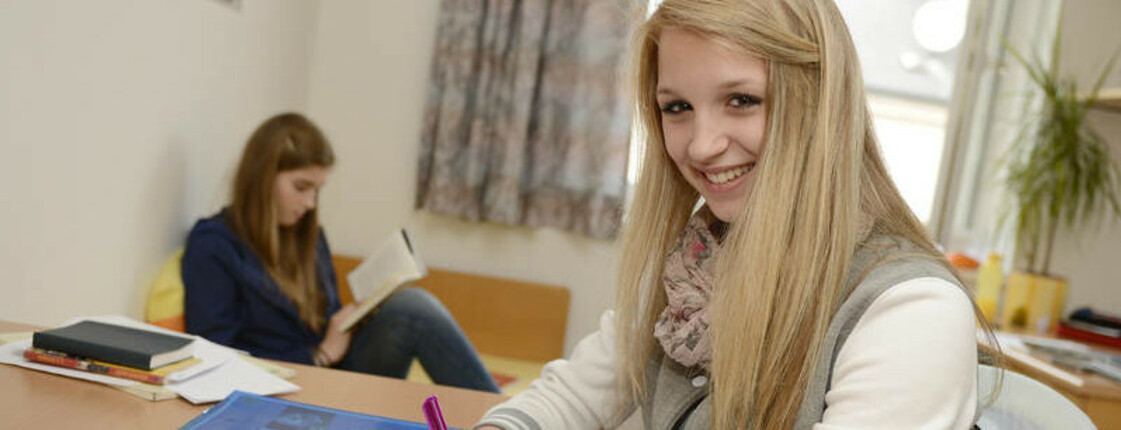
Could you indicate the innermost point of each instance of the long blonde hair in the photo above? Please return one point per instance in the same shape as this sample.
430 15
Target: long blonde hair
821 172
284 142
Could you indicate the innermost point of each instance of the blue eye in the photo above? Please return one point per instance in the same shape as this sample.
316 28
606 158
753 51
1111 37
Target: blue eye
676 107
744 101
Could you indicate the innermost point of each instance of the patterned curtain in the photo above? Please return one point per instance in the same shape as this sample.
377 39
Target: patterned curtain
526 121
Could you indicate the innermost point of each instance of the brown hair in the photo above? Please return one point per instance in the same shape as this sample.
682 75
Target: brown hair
284 142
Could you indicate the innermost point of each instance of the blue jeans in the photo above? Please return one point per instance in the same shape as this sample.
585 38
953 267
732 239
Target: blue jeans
413 324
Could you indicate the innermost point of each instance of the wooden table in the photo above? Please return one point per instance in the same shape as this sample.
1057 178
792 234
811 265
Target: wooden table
32 399
1099 397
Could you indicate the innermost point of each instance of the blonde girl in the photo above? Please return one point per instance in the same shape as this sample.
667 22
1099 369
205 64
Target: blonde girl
772 277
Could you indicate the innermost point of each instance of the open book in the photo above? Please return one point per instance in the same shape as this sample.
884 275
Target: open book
393 264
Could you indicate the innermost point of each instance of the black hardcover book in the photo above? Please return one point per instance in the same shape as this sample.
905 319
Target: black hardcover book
115 344
1089 316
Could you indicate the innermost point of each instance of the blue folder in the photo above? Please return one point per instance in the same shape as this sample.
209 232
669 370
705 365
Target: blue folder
243 410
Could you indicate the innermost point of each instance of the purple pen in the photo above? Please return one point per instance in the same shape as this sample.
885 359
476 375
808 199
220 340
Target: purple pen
433 415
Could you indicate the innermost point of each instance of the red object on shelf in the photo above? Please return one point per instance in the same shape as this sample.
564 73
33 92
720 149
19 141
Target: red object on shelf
1069 332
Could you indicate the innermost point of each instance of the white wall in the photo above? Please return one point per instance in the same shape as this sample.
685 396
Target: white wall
368 84
120 121
1091 259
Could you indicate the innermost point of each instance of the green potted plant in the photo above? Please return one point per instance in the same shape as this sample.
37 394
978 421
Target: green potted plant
1060 173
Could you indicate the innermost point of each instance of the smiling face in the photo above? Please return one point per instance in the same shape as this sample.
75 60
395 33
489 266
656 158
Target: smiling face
297 192
713 116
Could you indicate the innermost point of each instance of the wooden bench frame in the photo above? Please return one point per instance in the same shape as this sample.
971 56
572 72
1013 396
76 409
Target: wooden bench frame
501 317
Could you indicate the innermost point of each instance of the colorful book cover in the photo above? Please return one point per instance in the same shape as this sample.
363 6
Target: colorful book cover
61 359
243 410
1066 330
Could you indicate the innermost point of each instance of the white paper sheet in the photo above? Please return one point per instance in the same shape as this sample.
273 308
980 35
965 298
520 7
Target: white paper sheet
12 337
233 375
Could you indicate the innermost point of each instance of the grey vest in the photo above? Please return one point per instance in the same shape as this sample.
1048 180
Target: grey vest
677 397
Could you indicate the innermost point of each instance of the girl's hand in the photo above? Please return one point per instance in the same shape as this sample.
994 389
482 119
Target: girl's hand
335 340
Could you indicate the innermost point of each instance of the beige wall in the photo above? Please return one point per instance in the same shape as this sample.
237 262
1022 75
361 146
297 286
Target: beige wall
368 85
119 123
1092 260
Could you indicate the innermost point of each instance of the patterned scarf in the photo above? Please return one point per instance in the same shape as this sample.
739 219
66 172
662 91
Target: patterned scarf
682 328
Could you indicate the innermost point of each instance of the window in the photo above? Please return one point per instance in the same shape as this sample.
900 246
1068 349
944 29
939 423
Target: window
911 134
908 51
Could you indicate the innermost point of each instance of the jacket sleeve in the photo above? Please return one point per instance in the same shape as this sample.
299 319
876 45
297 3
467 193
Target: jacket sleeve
910 362
210 296
577 393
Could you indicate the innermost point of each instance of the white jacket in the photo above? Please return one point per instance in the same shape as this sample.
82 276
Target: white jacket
910 363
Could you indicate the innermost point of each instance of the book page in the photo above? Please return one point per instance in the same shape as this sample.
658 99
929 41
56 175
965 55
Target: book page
391 265
392 260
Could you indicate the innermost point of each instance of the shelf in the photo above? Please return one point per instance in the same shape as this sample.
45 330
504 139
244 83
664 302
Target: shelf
1109 98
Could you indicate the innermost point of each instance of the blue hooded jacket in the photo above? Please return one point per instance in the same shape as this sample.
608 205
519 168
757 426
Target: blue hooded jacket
230 299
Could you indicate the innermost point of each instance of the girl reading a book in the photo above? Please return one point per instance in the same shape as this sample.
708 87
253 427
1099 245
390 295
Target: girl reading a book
772 277
258 275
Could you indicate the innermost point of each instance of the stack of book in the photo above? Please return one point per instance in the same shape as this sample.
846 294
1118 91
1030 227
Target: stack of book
114 350
1086 325
144 360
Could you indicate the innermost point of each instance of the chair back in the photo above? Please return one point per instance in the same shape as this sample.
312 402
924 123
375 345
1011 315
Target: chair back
1026 404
